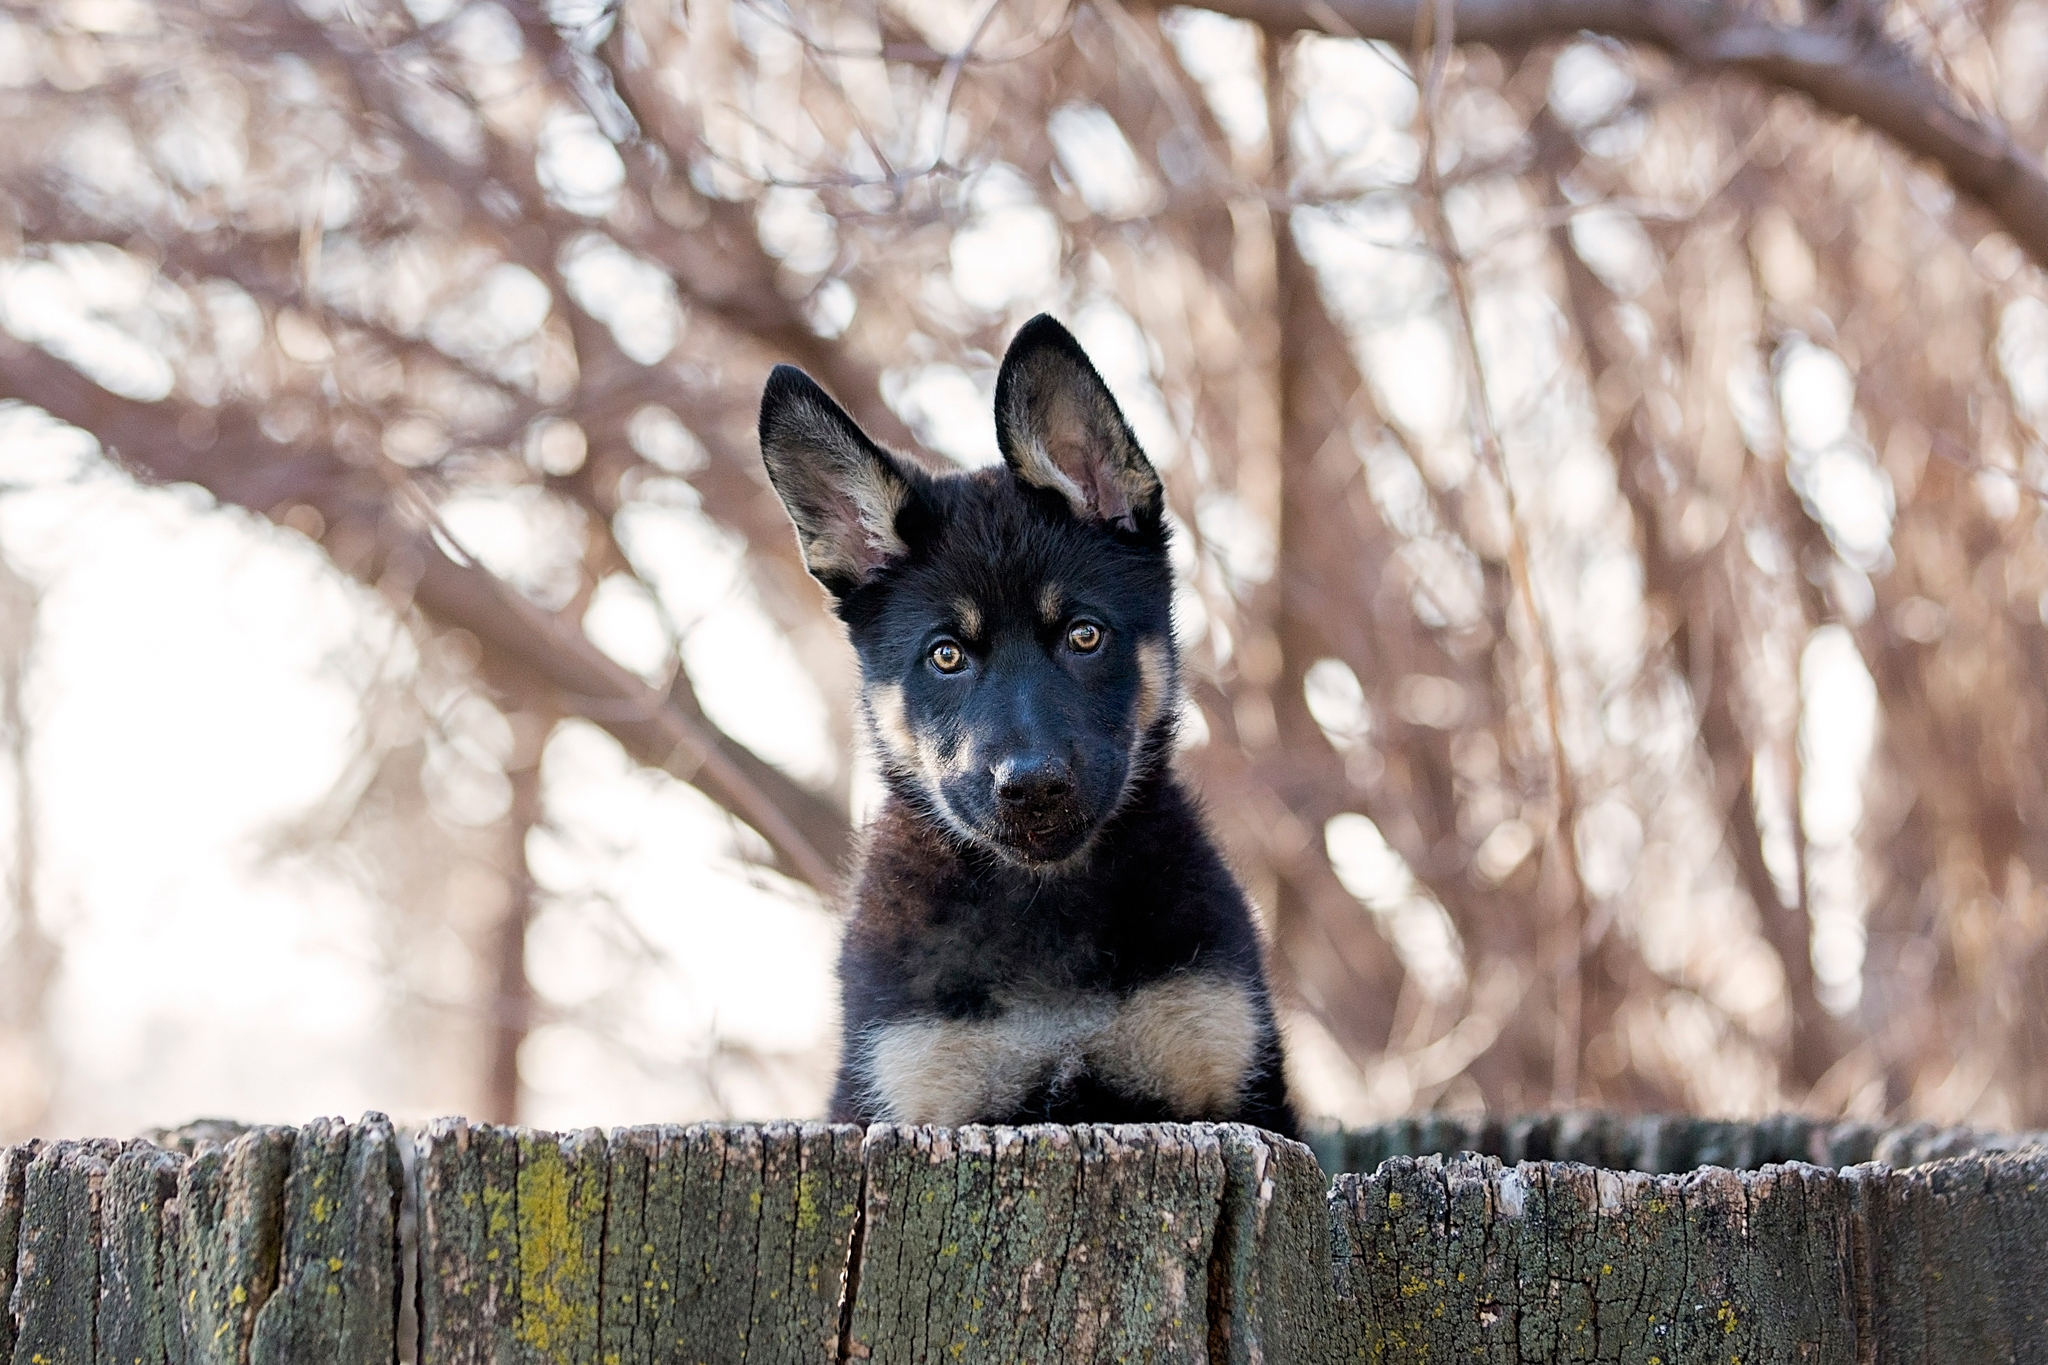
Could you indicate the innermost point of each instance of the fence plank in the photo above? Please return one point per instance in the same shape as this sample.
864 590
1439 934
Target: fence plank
469 1246
230 1224
338 1277
57 1261
996 1244
138 1306
14 1164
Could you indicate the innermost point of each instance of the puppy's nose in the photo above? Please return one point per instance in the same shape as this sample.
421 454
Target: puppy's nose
1032 780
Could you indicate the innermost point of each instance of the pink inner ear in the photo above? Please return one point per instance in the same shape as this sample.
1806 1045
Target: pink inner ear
854 539
849 535
1091 473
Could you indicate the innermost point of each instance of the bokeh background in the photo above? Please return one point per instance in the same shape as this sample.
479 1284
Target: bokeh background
1607 471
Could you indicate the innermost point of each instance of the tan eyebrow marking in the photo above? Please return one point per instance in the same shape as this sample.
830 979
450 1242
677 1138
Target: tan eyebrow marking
1050 601
967 612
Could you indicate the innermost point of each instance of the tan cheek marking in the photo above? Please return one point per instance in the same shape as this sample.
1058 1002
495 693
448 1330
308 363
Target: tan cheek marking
892 731
1188 1041
950 1072
1155 682
936 757
1051 599
946 757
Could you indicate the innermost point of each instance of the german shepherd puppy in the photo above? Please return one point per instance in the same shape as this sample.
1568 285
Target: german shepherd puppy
1042 930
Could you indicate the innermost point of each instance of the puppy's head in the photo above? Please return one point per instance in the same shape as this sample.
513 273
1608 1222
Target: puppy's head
1014 623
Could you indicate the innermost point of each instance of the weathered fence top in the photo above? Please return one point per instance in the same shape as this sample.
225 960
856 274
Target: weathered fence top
353 1243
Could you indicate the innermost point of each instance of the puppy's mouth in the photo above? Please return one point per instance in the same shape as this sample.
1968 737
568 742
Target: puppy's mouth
1040 838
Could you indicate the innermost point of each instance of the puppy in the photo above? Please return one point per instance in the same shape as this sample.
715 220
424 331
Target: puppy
1042 929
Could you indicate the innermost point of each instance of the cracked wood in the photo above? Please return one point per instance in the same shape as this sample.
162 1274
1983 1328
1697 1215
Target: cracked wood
814 1243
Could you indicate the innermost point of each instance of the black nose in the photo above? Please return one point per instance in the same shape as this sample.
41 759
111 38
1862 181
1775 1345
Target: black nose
1032 780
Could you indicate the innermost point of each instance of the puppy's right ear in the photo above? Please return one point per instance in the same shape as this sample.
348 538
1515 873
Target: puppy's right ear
842 490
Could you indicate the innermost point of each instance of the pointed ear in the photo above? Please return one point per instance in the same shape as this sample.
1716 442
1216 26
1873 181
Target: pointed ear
842 490
1060 429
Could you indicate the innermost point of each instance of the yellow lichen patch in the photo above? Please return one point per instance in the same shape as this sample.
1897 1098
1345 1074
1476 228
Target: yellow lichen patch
1394 1201
807 1201
555 1314
497 1213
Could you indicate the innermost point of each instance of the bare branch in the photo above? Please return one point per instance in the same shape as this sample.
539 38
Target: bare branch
1855 72
367 537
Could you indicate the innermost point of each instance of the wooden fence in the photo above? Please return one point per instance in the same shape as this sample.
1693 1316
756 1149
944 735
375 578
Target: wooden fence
465 1244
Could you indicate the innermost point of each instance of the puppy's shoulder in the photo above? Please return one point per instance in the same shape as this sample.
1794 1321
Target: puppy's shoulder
901 859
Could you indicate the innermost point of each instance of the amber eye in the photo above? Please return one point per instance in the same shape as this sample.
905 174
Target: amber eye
1084 637
948 657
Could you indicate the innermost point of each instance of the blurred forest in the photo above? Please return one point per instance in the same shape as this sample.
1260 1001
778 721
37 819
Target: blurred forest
1606 443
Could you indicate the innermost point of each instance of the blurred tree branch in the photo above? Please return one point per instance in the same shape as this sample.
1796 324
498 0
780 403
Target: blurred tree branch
1843 66
369 534
1263 236
29 952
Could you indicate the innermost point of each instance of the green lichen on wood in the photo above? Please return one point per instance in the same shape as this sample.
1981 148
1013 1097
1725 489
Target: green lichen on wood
57 1256
14 1164
230 1228
138 1308
808 1243
712 1195
1468 1259
810 1190
1653 1143
1089 1243
633 1266
339 1269
469 1245
1271 1280
1956 1263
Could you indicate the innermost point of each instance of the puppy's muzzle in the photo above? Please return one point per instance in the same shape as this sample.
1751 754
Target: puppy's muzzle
1039 814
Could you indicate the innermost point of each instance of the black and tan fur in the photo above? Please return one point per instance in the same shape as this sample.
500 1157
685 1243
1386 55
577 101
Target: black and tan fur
1042 928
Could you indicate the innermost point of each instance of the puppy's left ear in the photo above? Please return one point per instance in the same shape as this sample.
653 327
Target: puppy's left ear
1059 429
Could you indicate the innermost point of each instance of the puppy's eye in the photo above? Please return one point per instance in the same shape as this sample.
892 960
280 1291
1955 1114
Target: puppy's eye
948 657
1084 637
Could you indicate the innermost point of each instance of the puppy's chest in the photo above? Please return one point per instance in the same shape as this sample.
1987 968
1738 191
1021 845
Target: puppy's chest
1185 1043
961 966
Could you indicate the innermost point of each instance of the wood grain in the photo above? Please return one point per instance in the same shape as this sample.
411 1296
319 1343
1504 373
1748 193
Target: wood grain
814 1243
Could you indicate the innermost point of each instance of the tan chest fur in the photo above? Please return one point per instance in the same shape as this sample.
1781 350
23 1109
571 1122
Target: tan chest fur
1187 1041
